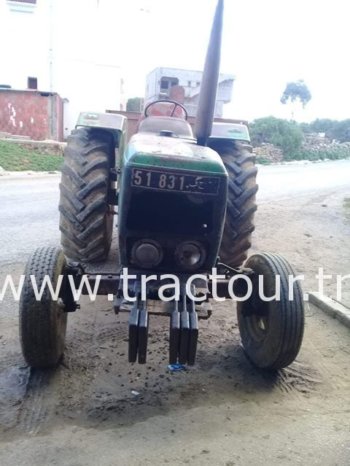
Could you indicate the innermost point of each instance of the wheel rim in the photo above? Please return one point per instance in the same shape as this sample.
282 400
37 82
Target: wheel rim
258 327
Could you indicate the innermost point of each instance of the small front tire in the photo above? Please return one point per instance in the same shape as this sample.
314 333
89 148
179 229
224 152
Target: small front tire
42 323
271 331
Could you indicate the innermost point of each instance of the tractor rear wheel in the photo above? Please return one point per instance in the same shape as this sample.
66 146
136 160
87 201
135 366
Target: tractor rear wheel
271 330
43 322
239 223
86 218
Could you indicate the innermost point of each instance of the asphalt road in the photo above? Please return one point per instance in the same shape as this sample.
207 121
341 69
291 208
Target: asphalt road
281 182
29 213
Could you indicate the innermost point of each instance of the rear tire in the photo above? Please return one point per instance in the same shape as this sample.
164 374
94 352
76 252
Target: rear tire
239 223
86 218
42 323
271 332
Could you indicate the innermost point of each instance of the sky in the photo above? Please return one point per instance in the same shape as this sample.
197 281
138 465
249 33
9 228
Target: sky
266 43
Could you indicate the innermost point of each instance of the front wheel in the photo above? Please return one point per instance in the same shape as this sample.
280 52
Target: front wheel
271 331
42 322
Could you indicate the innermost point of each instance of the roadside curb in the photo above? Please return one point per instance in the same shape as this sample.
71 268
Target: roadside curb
27 175
331 307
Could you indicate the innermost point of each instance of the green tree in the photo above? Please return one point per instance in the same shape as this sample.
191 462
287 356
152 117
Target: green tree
322 125
333 129
134 104
305 127
282 133
340 131
296 91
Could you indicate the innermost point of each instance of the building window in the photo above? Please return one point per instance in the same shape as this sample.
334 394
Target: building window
193 84
166 83
32 83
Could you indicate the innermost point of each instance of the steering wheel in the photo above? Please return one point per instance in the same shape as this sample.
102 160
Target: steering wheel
176 105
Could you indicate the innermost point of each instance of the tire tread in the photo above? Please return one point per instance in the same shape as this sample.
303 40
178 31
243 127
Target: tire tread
86 221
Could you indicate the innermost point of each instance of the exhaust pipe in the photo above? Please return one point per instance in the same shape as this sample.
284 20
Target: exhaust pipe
207 95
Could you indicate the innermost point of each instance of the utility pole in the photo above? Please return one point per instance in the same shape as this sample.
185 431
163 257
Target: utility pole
51 45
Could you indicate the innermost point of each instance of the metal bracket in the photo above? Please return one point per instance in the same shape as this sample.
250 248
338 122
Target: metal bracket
75 270
138 329
183 332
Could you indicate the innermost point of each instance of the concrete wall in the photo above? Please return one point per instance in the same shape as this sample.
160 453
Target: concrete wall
31 113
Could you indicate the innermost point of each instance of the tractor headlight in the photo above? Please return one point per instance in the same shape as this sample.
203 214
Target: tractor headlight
147 253
190 255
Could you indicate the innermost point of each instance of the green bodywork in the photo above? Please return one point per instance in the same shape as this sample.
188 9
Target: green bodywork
148 150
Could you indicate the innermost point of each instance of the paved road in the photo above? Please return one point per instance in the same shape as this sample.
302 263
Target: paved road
282 182
29 215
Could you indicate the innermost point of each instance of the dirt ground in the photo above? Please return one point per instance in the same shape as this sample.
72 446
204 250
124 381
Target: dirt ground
96 409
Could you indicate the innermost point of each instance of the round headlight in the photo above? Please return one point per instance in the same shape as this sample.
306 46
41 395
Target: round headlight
190 255
147 253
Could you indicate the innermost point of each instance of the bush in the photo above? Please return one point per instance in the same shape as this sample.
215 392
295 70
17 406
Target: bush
333 129
322 125
263 160
332 152
282 133
340 131
135 104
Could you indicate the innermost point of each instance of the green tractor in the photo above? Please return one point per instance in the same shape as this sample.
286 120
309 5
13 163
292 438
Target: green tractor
185 205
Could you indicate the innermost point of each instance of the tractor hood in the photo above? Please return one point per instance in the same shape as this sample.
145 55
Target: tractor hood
149 150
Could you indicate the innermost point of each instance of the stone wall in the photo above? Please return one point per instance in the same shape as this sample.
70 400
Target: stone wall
269 152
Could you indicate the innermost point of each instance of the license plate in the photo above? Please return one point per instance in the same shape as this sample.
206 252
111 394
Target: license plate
196 184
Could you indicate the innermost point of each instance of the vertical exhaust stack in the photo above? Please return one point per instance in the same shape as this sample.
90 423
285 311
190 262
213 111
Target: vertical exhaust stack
207 95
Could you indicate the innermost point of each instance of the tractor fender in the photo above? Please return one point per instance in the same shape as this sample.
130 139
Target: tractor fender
227 131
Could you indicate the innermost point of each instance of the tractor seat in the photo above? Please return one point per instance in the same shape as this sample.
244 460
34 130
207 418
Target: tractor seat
155 124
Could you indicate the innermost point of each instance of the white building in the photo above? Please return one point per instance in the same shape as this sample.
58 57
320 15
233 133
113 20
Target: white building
60 43
160 81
